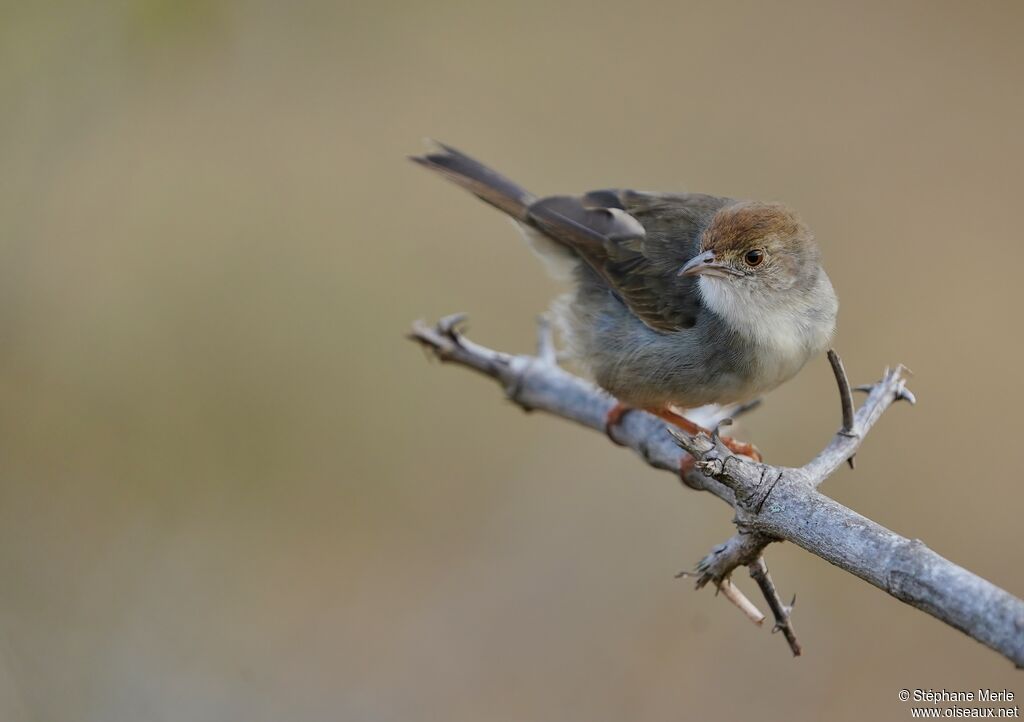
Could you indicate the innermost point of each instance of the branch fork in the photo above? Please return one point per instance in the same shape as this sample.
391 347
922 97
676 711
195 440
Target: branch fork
772 503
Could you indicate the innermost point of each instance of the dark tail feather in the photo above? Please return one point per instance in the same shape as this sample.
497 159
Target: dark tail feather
478 179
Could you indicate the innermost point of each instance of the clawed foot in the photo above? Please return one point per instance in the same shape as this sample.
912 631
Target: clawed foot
617 412
686 465
741 448
614 418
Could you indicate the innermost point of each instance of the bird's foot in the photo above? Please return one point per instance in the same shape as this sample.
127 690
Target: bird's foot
614 418
742 448
686 465
619 411
736 446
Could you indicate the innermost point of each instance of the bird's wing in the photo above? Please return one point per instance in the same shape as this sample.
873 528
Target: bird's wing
636 242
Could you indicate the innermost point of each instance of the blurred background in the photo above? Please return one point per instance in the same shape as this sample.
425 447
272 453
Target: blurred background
231 489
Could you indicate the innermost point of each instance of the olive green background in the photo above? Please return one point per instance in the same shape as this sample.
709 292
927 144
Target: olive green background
231 489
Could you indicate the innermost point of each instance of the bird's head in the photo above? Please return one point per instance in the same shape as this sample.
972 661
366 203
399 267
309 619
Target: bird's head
759 248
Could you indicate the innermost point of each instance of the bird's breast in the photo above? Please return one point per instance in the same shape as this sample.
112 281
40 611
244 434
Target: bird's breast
779 336
777 356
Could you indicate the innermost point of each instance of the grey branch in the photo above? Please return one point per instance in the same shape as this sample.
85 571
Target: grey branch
772 503
744 548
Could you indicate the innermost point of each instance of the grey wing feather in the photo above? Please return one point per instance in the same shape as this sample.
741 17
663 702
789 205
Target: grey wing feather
636 242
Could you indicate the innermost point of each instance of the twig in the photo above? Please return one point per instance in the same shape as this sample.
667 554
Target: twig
845 397
744 548
782 613
771 503
740 549
546 341
731 592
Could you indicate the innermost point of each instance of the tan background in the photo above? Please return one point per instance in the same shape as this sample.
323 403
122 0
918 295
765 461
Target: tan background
230 489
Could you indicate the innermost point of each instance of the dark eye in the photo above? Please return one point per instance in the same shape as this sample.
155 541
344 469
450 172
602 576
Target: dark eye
754 257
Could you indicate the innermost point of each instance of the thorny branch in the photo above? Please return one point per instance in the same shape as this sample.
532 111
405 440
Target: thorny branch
746 548
771 503
782 612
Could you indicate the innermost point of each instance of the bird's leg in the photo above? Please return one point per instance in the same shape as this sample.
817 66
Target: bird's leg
734 445
617 412
615 415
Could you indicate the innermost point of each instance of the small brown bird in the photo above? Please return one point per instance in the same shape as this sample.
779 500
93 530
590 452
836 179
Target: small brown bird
681 299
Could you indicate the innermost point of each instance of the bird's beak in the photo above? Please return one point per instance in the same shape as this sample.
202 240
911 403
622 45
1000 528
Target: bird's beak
705 263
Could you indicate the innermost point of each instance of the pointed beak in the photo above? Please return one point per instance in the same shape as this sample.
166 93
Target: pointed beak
705 263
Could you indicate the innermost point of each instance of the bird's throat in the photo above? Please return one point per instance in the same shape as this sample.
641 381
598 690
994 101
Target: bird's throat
786 327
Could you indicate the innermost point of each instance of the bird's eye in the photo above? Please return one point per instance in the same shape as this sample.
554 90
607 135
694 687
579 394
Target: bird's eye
754 257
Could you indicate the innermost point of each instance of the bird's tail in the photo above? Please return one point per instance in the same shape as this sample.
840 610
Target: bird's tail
479 180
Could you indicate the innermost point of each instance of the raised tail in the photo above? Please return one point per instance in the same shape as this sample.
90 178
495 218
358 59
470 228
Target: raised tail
561 228
478 179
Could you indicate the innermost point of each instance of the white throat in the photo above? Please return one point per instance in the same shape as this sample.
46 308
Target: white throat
786 328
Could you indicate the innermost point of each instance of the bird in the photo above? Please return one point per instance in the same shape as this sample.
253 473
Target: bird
681 299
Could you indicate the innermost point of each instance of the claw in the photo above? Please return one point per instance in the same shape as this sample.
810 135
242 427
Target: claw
736 447
742 448
613 418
